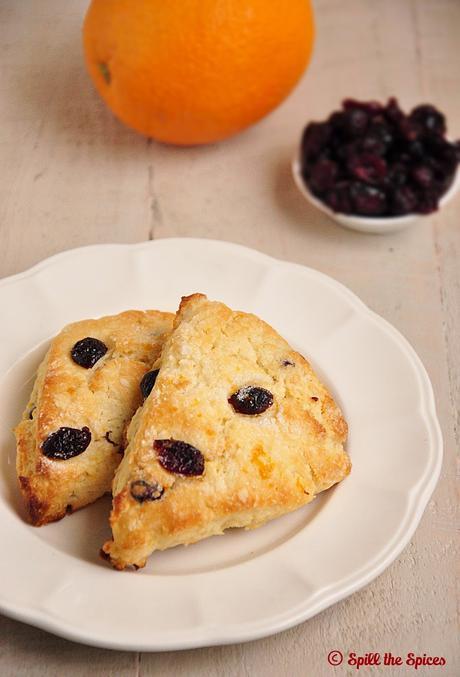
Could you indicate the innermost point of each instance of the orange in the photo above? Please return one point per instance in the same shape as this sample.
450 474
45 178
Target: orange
196 71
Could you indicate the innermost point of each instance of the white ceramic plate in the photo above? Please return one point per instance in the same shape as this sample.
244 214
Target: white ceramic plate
363 224
242 585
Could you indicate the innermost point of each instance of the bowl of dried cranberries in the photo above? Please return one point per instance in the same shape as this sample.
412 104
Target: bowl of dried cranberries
371 167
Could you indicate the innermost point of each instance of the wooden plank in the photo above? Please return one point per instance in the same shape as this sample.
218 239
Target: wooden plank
70 174
35 653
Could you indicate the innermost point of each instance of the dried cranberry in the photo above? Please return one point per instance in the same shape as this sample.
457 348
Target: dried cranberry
315 137
347 149
368 200
369 107
143 491
404 201
372 144
437 145
456 146
251 400
356 121
423 176
404 157
430 118
393 112
438 169
447 157
88 351
337 121
443 184
66 443
397 174
179 457
339 198
368 168
428 202
323 175
382 131
147 382
416 150
409 131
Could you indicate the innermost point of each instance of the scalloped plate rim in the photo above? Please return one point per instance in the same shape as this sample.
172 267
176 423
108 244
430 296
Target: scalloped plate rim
331 594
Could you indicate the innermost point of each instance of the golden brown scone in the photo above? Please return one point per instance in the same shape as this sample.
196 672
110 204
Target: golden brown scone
92 387
230 469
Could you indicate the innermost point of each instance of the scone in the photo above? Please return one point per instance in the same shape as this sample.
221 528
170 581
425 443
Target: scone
86 390
236 431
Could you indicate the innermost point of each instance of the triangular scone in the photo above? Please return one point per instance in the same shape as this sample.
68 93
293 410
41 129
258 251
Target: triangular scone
85 393
200 459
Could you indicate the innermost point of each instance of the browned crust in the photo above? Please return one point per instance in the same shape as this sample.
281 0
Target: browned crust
37 509
252 474
67 395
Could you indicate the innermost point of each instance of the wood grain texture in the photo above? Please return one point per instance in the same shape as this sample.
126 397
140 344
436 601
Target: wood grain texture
72 175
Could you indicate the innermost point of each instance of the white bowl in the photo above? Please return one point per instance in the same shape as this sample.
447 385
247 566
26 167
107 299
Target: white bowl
377 225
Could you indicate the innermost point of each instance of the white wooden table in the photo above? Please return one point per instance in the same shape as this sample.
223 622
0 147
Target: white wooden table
71 175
